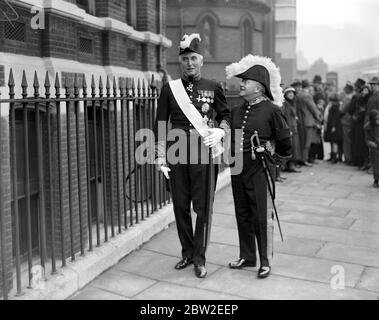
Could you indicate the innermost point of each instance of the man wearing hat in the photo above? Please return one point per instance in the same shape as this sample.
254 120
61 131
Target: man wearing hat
309 117
373 103
187 104
258 120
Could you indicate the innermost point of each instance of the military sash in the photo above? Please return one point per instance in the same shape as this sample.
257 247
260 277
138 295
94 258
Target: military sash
192 114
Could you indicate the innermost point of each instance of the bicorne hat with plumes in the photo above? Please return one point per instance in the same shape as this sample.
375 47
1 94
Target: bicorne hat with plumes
190 43
262 70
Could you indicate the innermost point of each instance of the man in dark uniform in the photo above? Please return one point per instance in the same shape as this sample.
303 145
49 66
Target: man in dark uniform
188 177
259 115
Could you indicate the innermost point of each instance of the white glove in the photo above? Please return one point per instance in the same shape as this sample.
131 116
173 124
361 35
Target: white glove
162 166
214 137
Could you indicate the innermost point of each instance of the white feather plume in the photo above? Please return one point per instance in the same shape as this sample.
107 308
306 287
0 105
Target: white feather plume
187 39
275 78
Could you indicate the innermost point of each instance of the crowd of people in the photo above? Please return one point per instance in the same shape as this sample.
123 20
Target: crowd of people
348 120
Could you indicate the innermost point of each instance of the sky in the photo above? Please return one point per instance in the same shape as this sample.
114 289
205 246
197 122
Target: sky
339 31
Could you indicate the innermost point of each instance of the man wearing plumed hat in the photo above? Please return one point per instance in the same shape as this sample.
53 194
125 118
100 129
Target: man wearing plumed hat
260 117
188 104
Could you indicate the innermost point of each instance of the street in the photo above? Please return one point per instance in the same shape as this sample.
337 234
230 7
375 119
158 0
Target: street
330 221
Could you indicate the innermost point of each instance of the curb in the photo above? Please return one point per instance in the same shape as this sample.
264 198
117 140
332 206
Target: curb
78 274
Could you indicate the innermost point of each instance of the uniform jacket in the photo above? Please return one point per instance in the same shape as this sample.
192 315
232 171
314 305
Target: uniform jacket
268 120
169 110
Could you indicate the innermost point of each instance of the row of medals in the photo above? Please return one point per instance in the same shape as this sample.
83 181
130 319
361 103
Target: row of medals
205 96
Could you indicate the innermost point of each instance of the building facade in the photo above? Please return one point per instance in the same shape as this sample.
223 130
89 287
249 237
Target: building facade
229 29
103 37
69 180
285 34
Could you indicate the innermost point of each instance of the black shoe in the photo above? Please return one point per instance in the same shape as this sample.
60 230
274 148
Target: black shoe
264 272
184 263
200 271
241 263
293 170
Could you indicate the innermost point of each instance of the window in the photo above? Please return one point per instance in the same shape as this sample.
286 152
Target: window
87 5
85 45
285 28
208 37
247 37
15 31
131 13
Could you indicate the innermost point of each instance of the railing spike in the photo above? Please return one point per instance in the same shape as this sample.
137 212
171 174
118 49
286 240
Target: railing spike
36 84
93 86
47 85
11 79
76 85
84 86
57 85
24 84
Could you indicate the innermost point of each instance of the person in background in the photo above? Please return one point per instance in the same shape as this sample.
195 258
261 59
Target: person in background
356 131
372 140
346 121
360 148
317 147
290 113
373 102
310 116
333 127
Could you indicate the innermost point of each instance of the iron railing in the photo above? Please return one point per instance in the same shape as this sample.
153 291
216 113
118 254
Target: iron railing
74 178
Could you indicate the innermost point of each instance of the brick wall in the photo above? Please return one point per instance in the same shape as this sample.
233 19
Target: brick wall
6 203
31 42
74 187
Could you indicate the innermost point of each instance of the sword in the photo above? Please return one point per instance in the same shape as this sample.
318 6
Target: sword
257 148
209 195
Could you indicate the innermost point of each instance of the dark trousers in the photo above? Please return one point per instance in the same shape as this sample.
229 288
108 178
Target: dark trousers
254 217
189 183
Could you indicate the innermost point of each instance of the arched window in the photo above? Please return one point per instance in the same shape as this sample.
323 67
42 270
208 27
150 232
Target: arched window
247 37
208 36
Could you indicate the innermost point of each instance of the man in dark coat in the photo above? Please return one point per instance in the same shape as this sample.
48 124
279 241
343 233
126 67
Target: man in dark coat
257 116
188 171
373 102
311 118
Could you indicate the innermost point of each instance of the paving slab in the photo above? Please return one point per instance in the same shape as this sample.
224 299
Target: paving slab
347 237
317 220
370 280
160 267
91 293
314 209
367 204
367 225
352 254
122 283
314 269
300 199
246 284
372 215
169 291
224 220
321 192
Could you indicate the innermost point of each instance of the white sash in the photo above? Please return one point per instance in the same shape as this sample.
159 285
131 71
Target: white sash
192 114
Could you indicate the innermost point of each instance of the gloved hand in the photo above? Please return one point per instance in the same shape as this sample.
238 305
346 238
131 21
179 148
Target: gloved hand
214 137
163 167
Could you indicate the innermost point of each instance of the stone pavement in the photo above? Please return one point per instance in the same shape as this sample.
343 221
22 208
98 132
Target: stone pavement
330 221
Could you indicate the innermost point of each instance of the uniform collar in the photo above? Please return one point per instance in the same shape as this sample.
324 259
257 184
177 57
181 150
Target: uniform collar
195 79
256 100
